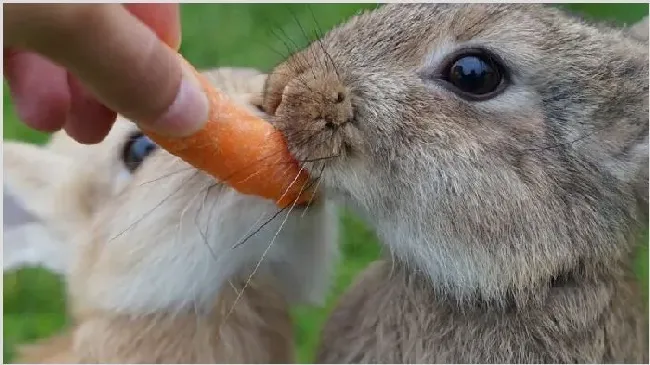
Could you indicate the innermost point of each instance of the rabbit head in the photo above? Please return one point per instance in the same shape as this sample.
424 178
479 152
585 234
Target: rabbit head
492 146
60 186
136 230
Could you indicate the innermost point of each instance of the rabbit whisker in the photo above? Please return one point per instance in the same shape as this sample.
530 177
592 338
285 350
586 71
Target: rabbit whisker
318 180
308 41
189 205
269 220
145 215
166 175
251 231
250 235
234 288
319 39
204 235
275 215
259 262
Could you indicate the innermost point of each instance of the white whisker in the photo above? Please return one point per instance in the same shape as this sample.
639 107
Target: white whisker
315 191
290 185
268 248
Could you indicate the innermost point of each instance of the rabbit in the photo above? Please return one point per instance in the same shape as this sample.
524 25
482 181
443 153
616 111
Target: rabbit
500 152
153 253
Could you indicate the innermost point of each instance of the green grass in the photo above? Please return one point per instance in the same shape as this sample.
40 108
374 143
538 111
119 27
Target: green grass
235 35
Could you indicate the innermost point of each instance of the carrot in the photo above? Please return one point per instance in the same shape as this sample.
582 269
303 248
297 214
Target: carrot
242 150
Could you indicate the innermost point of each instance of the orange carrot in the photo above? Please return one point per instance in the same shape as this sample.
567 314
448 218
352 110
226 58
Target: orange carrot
242 150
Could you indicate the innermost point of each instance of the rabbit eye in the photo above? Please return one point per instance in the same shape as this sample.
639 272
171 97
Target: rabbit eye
474 75
136 150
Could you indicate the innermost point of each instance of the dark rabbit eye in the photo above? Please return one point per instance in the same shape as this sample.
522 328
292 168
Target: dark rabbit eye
474 75
136 150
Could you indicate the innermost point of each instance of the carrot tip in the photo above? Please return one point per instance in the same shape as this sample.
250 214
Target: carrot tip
242 150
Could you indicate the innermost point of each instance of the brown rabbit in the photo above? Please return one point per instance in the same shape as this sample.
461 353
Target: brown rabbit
145 245
500 152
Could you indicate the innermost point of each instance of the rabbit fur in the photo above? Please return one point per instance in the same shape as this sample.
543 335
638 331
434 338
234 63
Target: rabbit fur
509 222
148 257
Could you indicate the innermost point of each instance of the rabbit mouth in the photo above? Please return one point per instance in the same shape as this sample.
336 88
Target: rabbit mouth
317 147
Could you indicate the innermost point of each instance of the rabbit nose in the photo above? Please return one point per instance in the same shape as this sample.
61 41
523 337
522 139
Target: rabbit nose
339 111
320 98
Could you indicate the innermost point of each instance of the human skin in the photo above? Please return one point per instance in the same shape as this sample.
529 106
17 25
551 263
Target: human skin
76 66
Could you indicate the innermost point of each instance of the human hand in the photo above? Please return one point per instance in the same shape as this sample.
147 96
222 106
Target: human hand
76 66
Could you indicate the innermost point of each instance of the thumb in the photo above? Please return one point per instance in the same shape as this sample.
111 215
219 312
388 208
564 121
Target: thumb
121 61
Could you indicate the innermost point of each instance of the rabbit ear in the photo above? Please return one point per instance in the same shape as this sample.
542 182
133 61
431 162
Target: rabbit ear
26 240
29 245
31 175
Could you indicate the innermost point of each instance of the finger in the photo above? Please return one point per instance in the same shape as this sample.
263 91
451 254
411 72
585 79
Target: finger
123 63
163 19
39 90
88 121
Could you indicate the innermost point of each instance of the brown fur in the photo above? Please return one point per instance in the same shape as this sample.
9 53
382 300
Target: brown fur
392 316
257 331
511 221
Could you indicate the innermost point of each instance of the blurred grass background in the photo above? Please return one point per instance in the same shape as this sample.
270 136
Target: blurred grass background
255 35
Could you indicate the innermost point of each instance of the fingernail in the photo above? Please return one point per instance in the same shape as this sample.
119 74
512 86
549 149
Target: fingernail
189 111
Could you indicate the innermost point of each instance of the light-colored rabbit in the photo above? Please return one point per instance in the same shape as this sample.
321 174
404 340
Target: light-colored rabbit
500 152
146 245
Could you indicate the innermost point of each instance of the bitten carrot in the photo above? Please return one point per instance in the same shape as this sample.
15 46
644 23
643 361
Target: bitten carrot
242 150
